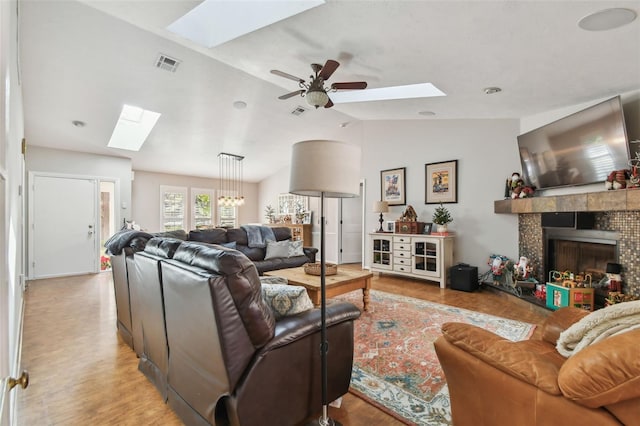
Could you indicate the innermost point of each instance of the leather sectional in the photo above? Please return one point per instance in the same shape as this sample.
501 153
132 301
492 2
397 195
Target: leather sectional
122 245
210 344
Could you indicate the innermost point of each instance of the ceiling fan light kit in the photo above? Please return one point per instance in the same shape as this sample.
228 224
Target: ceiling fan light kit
315 92
317 98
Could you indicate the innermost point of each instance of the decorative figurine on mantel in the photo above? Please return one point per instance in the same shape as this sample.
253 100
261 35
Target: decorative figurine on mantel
516 187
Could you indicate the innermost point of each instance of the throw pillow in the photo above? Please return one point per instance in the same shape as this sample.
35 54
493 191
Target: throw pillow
276 249
285 300
295 248
230 244
273 280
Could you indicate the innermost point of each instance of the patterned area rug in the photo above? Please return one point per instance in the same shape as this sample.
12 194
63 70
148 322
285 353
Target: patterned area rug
395 364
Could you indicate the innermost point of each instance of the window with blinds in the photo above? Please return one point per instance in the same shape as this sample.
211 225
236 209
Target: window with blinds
202 208
172 207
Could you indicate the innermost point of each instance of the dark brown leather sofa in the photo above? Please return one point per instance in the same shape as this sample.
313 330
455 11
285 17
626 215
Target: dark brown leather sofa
230 361
121 248
122 245
493 381
150 336
238 237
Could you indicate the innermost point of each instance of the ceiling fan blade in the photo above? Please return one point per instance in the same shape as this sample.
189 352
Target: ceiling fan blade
291 95
289 76
329 104
353 85
329 68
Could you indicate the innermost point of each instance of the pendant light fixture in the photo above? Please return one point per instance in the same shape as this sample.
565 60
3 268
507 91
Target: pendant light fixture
230 190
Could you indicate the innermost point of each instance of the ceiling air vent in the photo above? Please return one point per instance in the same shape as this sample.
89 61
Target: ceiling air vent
299 110
167 63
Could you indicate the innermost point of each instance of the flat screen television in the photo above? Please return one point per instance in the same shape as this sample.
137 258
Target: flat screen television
579 149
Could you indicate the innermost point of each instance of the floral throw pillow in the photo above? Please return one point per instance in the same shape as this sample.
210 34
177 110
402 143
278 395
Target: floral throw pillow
295 248
285 300
280 249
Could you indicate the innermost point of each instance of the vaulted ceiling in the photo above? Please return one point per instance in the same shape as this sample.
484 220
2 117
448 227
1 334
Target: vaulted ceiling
82 60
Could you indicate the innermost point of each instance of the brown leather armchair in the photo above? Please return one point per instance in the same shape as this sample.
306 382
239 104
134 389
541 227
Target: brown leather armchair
230 360
493 381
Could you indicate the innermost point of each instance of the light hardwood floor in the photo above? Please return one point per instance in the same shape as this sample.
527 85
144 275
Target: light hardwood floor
82 374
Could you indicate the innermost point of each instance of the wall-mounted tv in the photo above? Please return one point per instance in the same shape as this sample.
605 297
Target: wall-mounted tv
579 149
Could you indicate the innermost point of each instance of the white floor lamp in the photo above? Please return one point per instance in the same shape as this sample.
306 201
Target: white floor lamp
325 169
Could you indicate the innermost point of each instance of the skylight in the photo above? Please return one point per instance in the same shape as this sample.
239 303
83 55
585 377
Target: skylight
214 22
133 127
422 90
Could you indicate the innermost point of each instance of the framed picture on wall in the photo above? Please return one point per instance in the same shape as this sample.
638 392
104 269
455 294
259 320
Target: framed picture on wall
393 187
441 182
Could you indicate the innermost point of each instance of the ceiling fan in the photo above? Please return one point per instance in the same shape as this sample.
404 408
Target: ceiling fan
316 92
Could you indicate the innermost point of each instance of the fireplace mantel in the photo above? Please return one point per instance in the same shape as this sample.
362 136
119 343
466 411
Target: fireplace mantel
616 200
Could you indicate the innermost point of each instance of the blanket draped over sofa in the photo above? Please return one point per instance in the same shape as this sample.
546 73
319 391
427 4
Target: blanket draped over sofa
258 235
599 325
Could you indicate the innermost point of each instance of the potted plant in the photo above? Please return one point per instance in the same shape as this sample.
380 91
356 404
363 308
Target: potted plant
270 214
442 217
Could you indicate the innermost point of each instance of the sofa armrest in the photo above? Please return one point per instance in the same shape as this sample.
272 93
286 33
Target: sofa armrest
310 252
530 361
295 327
604 373
559 321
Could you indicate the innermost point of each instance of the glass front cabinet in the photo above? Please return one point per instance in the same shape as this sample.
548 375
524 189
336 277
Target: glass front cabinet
424 256
413 255
381 250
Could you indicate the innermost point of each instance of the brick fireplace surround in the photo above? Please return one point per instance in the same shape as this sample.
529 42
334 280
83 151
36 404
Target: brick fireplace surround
617 211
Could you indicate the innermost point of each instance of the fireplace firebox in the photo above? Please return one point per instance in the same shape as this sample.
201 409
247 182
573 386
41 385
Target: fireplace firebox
580 250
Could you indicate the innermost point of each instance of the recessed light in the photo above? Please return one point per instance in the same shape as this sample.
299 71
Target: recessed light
491 90
239 105
428 113
78 123
607 19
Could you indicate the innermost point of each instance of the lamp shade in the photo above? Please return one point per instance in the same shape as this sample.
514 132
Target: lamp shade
324 167
380 206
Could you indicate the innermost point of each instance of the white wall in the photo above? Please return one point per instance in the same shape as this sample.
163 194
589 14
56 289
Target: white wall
270 188
49 160
146 197
487 154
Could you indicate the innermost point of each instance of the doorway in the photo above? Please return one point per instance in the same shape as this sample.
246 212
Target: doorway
62 229
107 220
351 220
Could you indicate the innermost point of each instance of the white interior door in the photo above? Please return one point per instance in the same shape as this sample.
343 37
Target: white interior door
351 229
331 216
5 326
63 226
